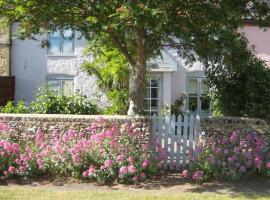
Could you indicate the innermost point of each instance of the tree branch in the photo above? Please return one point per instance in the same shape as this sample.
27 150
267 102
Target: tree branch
120 46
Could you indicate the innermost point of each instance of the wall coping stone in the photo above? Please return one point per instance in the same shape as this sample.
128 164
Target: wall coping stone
78 118
233 120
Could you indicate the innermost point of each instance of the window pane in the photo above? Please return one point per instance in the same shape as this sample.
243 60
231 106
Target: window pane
154 104
204 86
154 92
193 86
205 103
68 87
54 43
55 85
154 82
68 42
193 103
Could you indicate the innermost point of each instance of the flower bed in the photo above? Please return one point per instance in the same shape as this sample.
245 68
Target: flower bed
231 157
102 152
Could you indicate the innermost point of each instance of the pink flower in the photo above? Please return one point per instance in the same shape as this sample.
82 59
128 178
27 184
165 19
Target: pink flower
143 175
101 120
40 163
145 164
198 175
131 159
58 149
15 148
267 165
81 135
132 169
258 162
22 169
11 169
91 170
123 170
135 178
102 167
85 174
108 163
120 158
234 136
185 173
71 133
39 137
226 151
243 169
212 160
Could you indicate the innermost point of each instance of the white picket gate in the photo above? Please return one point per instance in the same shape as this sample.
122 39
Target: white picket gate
176 136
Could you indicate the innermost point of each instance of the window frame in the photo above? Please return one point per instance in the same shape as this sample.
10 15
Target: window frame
61 78
61 39
159 78
199 76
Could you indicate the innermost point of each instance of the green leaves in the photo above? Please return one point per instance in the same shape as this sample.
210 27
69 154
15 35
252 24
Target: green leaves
206 28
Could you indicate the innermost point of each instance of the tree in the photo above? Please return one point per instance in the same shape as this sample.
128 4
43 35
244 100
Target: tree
140 29
110 68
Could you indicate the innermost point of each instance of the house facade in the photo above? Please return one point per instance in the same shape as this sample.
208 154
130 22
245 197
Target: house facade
59 65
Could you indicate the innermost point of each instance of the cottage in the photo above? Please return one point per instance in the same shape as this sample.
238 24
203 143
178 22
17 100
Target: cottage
59 65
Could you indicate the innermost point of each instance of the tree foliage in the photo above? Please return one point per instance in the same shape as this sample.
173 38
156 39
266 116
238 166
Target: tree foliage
112 72
139 29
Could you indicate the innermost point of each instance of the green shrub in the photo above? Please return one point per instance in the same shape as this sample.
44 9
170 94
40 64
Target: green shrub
11 107
49 101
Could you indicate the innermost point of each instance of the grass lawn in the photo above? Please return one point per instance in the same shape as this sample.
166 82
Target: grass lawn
42 194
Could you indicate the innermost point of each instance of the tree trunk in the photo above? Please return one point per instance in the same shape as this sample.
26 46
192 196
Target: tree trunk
137 90
138 75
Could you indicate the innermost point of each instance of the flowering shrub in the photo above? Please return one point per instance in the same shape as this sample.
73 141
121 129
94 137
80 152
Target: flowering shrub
103 152
230 157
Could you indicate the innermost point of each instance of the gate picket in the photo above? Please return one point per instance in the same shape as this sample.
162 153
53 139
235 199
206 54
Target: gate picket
177 136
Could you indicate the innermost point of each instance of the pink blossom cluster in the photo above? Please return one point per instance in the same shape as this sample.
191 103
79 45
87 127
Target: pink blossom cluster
103 152
12 160
231 157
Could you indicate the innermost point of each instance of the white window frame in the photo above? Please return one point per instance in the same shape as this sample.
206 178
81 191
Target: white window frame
61 78
61 38
149 87
199 76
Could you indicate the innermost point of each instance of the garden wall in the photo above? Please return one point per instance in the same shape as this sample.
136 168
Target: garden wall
30 122
7 89
47 122
227 124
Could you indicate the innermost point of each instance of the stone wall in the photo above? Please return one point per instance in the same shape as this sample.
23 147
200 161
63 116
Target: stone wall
29 123
227 124
4 51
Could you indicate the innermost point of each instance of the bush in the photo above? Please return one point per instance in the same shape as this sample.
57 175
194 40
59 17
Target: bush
243 90
103 152
231 157
11 107
49 101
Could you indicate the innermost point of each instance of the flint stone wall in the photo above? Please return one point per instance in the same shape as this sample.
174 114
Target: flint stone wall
224 125
47 122
29 123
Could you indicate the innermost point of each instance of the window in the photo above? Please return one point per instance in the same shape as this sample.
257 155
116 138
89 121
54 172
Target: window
197 99
152 100
62 83
61 43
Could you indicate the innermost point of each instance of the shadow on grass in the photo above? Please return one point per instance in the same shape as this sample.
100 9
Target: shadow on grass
251 188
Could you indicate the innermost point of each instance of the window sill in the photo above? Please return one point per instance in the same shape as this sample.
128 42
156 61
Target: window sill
61 56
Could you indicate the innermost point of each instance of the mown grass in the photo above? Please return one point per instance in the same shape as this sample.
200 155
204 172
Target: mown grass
42 194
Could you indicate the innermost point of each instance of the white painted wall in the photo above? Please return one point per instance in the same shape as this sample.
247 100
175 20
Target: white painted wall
31 65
